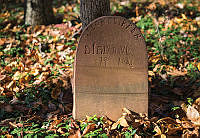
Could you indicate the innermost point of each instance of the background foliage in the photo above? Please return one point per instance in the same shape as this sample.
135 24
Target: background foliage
37 63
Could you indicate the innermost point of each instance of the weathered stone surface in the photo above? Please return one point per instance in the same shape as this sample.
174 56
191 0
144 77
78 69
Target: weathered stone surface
110 70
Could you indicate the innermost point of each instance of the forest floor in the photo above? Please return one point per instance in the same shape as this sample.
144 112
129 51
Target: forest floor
37 63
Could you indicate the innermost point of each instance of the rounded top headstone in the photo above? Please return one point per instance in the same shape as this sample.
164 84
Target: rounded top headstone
111 63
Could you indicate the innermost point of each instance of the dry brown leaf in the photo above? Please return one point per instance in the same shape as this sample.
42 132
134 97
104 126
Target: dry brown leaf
8 69
90 127
9 136
129 114
2 77
152 6
177 73
55 93
76 135
154 119
167 120
12 124
172 129
8 94
135 124
187 124
196 104
55 123
2 41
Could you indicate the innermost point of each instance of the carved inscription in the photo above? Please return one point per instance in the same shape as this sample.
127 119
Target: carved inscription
100 49
124 24
103 54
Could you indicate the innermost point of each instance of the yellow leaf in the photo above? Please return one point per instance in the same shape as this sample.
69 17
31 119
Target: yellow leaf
10 84
178 20
1 53
34 72
163 136
198 66
114 126
155 59
158 131
16 89
18 75
1 90
27 77
184 17
151 73
55 39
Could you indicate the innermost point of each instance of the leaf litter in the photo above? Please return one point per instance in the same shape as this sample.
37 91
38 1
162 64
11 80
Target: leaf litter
37 63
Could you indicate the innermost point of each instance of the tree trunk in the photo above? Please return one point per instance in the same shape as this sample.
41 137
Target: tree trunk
38 12
92 9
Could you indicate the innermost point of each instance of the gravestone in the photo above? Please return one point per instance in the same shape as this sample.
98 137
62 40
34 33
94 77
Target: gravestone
110 70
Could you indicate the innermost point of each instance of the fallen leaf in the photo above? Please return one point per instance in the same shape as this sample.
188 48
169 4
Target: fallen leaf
61 130
1 90
12 124
16 89
114 126
192 113
55 93
10 84
2 77
122 121
158 131
76 135
172 129
177 73
9 136
187 124
90 127
55 123
151 73
17 75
